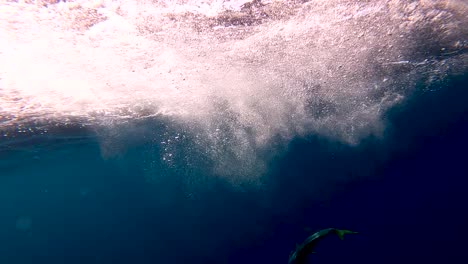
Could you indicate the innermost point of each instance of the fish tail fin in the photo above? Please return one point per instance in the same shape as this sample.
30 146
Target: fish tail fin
342 232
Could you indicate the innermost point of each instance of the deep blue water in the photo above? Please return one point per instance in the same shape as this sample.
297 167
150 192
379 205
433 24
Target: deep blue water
405 194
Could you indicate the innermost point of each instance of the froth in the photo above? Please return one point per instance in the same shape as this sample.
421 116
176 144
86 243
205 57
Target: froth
235 73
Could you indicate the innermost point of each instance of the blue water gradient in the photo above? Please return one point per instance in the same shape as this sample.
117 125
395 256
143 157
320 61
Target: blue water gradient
62 202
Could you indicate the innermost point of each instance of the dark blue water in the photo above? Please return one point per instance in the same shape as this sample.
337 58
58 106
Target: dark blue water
62 202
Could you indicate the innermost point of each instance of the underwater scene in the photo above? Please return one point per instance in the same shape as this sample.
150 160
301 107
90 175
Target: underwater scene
233 131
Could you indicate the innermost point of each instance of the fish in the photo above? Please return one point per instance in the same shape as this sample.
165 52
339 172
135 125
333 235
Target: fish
299 255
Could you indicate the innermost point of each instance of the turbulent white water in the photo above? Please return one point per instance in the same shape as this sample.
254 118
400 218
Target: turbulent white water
236 73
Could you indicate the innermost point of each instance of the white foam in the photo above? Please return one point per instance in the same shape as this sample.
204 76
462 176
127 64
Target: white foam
307 68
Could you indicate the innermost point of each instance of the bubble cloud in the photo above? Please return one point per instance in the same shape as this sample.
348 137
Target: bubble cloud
232 75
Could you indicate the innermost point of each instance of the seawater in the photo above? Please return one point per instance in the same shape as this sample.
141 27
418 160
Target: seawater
135 139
